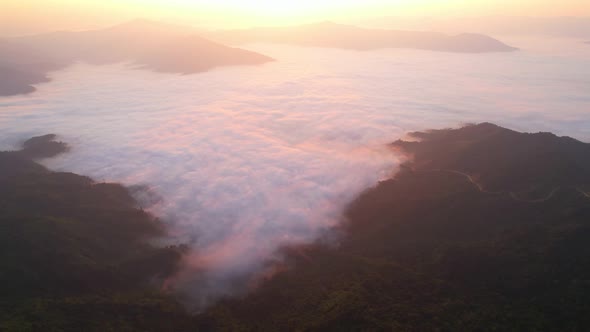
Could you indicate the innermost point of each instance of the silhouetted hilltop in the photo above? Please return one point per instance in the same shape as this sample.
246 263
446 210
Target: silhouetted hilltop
334 35
145 44
429 250
501 159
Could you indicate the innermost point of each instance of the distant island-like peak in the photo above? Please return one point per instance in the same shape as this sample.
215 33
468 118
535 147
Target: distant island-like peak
25 61
335 35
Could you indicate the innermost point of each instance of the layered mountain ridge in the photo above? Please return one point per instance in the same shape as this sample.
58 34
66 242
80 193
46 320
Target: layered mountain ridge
143 44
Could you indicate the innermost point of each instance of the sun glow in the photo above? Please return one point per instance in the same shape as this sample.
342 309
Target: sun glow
270 7
265 7
264 12
18 16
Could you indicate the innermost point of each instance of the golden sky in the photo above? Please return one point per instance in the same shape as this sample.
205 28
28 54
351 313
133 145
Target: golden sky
22 16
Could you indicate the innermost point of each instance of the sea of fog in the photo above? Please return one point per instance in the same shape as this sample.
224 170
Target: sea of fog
248 159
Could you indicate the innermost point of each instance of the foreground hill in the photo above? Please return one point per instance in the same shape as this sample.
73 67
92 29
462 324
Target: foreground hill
73 252
350 37
431 250
144 44
556 26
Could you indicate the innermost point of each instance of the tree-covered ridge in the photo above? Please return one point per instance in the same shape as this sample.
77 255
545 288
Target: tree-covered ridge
448 244
501 159
74 254
431 251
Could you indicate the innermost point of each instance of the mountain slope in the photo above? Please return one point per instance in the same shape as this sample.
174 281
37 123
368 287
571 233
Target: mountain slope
73 252
21 67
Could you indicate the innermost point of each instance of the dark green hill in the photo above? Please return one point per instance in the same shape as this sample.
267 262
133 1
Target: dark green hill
74 254
431 251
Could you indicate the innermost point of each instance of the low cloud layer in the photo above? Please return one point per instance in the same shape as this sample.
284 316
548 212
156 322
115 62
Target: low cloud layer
241 161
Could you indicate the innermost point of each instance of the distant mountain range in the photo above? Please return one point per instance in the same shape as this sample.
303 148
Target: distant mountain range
145 44
572 27
328 34
25 61
152 45
21 66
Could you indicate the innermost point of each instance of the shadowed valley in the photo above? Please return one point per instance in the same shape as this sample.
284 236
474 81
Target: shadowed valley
74 253
26 61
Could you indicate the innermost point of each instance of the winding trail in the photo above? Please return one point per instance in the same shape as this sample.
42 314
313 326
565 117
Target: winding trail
475 183
540 200
513 195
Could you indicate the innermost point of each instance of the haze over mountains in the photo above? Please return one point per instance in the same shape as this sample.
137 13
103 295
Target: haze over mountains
21 66
25 61
151 45
556 161
328 34
144 44
428 249
571 27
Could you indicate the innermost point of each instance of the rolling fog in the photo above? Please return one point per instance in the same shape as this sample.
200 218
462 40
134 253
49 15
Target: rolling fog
242 160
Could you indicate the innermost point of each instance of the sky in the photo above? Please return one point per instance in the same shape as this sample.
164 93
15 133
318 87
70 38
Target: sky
31 16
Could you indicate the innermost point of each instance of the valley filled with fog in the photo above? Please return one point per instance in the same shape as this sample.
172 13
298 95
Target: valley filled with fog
240 161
